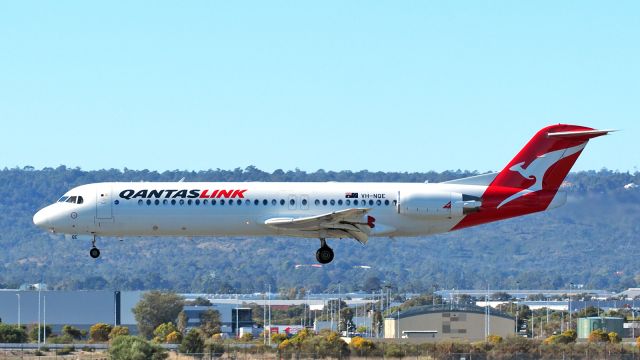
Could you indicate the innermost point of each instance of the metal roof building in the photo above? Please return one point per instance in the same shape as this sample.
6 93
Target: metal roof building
449 321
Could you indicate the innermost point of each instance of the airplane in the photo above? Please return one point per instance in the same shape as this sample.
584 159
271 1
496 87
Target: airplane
529 183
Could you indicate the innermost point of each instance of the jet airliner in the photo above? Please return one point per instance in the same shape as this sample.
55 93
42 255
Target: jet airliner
529 183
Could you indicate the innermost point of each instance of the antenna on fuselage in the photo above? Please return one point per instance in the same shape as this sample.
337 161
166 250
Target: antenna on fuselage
182 180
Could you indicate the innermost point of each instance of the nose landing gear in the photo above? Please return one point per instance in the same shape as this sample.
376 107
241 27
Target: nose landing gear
324 254
94 252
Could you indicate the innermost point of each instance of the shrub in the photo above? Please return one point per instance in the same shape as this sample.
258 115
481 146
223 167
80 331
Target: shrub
65 350
160 333
118 330
192 343
72 332
614 338
494 339
127 347
62 339
246 337
174 337
12 334
100 332
361 346
598 335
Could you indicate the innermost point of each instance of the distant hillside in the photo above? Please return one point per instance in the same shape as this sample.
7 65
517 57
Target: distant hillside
592 241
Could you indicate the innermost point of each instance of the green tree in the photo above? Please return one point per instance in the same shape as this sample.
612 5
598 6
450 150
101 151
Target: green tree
12 334
192 343
128 347
71 331
182 321
160 333
210 322
156 308
346 320
118 330
44 331
100 332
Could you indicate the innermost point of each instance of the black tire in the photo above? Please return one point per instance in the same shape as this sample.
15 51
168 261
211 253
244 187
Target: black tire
94 253
324 255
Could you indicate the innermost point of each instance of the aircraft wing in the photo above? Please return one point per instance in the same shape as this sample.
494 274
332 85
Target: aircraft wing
353 223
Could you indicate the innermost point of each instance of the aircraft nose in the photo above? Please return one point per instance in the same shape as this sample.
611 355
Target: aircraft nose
41 218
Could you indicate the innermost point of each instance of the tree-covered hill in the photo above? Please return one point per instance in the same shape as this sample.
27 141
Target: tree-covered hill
592 241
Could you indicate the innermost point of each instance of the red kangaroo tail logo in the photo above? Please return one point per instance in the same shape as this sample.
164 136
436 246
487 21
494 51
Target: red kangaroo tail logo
532 178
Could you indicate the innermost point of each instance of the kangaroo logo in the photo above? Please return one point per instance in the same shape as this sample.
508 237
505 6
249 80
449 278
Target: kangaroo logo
538 168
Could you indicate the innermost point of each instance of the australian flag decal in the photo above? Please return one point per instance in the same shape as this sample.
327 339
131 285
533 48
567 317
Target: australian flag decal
351 195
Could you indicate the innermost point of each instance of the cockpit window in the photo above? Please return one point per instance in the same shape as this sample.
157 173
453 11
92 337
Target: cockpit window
72 199
63 199
80 200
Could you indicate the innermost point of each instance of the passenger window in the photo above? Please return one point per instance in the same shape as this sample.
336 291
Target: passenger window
355 202
247 202
378 202
173 202
292 202
140 202
213 202
231 202
395 202
157 202
205 202
265 202
324 202
340 202
273 202
256 202
181 201
197 201
386 202
221 201
71 199
348 202
333 202
239 202
80 200
189 202
281 201
304 202
148 202
370 202
317 202
165 202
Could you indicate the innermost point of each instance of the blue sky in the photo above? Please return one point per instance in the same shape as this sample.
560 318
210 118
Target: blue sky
377 85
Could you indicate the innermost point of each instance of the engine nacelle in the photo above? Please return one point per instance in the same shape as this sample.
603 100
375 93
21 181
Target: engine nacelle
437 204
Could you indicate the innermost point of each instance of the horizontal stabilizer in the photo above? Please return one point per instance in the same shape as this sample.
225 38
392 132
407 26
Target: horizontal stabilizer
585 134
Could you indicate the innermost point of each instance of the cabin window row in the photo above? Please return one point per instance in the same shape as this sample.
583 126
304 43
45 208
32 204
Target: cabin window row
265 202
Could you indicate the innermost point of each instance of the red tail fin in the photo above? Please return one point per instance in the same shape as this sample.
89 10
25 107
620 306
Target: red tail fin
530 181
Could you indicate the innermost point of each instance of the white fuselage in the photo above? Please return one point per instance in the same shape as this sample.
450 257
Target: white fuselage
241 209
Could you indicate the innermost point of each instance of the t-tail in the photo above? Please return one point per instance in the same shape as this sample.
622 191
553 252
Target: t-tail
530 182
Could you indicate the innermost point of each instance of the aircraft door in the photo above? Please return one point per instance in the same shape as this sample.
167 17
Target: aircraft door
103 203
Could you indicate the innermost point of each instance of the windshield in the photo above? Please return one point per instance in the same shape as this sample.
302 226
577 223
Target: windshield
63 199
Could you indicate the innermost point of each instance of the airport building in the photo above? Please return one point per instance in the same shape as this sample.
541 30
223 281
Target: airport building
604 323
439 322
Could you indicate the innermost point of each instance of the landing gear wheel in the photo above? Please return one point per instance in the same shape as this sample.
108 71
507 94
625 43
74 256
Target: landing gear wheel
94 252
324 255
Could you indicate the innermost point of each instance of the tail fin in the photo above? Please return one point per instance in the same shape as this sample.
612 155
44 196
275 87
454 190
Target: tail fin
532 178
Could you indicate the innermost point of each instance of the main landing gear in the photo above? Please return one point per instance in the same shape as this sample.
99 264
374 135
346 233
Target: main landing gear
324 255
94 252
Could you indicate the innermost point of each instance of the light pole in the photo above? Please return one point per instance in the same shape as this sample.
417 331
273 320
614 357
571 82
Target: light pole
570 324
517 289
18 295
